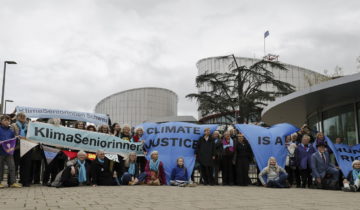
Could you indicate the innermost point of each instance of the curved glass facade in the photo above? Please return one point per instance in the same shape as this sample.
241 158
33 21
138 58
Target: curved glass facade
137 105
341 121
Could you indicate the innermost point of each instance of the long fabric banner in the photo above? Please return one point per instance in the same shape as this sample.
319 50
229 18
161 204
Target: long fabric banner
173 140
267 142
80 139
344 155
95 118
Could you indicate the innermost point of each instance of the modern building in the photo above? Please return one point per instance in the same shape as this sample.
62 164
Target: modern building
135 106
300 77
332 107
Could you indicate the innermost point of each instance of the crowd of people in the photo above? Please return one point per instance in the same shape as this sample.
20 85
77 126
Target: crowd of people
309 162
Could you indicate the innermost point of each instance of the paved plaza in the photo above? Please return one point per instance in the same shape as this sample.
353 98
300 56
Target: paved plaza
166 197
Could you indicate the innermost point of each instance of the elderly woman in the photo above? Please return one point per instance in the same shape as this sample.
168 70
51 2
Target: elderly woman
126 133
138 137
242 158
104 129
228 151
131 174
77 172
101 173
79 125
154 169
273 175
352 181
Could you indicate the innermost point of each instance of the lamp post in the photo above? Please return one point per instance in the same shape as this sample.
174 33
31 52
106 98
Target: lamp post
3 85
10 101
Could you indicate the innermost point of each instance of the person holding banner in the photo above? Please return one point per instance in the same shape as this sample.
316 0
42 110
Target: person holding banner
79 125
77 172
290 164
205 153
154 169
100 171
227 159
91 128
242 158
273 175
138 137
116 129
104 129
303 154
8 142
324 172
125 134
20 130
352 181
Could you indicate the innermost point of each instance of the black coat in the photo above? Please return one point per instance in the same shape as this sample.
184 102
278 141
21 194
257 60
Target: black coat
242 151
67 178
101 173
205 151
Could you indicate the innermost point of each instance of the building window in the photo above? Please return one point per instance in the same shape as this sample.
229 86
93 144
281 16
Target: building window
313 123
340 122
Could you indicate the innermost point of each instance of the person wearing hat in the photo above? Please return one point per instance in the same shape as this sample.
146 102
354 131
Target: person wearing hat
325 173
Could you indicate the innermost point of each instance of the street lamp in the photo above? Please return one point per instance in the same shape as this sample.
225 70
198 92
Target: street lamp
10 101
3 85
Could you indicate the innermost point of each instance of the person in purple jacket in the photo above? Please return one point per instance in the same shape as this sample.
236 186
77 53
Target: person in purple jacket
179 174
303 154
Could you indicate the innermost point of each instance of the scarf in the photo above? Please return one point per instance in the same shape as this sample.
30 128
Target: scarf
131 169
101 161
154 166
22 128
229 144
82 171
356 174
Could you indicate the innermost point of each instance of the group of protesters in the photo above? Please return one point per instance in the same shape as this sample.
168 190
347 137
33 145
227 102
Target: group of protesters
308 164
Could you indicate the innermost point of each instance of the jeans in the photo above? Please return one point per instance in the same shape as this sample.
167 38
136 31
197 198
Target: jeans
9 159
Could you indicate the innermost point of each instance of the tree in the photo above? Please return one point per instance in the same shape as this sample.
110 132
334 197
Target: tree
243 90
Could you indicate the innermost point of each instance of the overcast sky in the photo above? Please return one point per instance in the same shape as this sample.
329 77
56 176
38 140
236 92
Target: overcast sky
73 53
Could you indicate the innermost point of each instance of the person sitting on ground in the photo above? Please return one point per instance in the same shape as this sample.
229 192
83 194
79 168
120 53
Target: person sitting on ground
77 172
100 171
154 169
352 181
179 174
273 175
131 175
325 173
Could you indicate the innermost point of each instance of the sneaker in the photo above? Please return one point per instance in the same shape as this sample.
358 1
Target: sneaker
1 185
353 188
345 189
15 185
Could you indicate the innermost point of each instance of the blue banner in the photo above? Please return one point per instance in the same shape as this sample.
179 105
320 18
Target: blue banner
95 118
267 142
344 155
80 139
173 140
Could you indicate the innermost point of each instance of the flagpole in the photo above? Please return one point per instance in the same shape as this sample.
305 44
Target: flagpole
264 47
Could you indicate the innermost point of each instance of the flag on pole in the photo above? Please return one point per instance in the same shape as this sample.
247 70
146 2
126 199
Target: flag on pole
266 34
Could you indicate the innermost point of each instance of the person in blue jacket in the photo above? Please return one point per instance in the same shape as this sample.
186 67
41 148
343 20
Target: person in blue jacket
5 134
179 174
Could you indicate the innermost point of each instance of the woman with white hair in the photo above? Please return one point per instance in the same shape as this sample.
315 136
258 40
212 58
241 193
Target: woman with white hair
77 171
131 173
100 171
126 133
273 175
352 181
138 137
154 169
